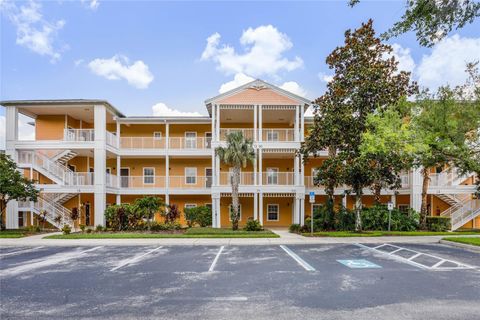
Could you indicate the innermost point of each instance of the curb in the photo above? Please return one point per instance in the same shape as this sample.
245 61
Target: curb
461 245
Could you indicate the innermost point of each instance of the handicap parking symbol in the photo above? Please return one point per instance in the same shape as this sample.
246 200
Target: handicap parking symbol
359 264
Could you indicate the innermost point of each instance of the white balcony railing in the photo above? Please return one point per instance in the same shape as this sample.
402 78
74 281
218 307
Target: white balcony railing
447 178
186 143
183 182
79 135
278 135
247 133
246 178
137 181
142 143
112 139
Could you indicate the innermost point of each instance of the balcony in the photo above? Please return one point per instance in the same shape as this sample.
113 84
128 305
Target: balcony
268 179
272 137
158 182
309 182
246 178
176 145
79 135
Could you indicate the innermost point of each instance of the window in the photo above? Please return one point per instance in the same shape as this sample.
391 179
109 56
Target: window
21 219
190 140
190 175
272 175
208 205
403 208
157 135
272 135
239 212
273 212
148 175
190 205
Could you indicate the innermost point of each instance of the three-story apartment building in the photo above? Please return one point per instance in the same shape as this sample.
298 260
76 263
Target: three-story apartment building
87 154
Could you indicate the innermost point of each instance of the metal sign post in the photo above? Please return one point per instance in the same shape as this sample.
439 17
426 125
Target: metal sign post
390 208
312 200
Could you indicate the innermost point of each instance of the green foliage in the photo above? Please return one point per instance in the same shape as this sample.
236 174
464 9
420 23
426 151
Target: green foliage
325 217
253 225
172 214
89 230
432 20
82 227
237 154
13 185
147 207
376 218
122 217
201 216
66 229
344 220
74 214
438 223
170 226
99 228
294 228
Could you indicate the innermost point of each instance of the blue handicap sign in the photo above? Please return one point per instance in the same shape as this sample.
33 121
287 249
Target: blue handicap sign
359 264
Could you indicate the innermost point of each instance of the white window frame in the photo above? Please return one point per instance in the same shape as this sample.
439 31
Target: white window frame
187 176
240 211
128 177
190 139
148 176
275 170
211 177
189 206
278 211
206 138
159 137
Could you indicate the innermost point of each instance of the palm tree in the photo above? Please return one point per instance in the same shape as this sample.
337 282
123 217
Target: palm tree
237 154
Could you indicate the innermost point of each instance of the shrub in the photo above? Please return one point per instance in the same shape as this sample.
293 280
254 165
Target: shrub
253 225
88 230
123 217
344 220
172 214
438 223
317 225
99 228
376 218
199 215
66 229
82 227
324 218
294 228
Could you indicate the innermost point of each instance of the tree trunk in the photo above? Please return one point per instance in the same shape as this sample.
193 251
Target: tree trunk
377 189
235 203
423 208
358 210
330 187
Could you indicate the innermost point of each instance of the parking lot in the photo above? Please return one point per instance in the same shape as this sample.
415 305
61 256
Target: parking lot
338 281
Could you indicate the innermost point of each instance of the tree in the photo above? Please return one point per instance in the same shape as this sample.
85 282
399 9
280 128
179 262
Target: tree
13 185
237 154
366 81
147 207
432 20
172 214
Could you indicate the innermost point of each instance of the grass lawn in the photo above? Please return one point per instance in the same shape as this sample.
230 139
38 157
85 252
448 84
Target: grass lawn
16 233
190 233
471 241
341 234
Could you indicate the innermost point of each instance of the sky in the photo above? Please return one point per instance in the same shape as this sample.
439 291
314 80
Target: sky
167 58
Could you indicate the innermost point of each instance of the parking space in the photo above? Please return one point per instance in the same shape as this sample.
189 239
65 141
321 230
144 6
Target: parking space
146 281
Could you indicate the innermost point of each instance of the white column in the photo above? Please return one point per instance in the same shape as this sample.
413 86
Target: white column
218 121
255 206
296 131
260 166
302 124
255 164
118 134
217 168
296 171
416 189
260 122
344 200
118 199
11 130
255 131
393 199
100 154
167 159
296 217
302 171
260 208
119 178
302 210
214 126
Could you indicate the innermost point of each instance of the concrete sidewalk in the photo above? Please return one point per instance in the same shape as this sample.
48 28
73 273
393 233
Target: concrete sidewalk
286 238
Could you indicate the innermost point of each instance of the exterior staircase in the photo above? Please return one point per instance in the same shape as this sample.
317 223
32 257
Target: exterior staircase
56 214
54 170
463 212
64 156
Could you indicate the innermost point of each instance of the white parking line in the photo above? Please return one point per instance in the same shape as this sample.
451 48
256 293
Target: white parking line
19 252
134 259
416 254
214 263
299 260
46 262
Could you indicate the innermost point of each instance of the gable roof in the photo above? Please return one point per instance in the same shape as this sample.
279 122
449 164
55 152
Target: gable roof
256 84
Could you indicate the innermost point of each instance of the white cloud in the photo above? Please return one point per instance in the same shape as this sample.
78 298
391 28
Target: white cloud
162 110
78 62
264 49
294 87
325 77
91 4
33 31
404 58
239 80
118 67
25 130
447 62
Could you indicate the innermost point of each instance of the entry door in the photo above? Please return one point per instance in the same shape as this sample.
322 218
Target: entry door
208 177
124 177
208 140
